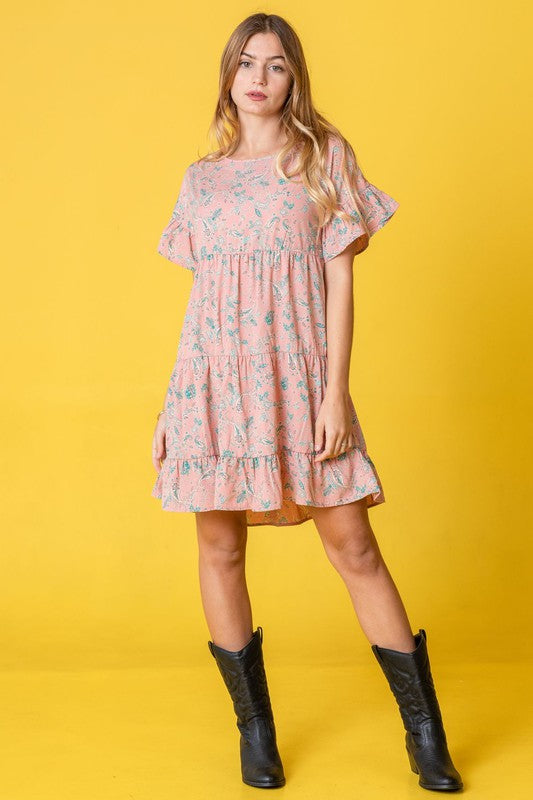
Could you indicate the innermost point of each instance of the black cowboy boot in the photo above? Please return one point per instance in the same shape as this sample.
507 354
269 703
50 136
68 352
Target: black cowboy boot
244 675
409 677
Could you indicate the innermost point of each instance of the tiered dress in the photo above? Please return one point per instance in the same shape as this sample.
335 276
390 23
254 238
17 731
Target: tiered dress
251 366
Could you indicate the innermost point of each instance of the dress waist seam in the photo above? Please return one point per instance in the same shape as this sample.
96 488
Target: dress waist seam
252 355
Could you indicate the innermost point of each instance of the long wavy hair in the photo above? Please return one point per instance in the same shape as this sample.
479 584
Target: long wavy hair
307 131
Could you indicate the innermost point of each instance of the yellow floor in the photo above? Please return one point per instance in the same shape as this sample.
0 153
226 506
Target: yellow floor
148 734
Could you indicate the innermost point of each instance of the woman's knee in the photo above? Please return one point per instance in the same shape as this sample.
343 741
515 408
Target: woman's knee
355 554
222 538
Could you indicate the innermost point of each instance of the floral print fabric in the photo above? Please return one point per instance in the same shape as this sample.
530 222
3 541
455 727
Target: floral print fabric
251 366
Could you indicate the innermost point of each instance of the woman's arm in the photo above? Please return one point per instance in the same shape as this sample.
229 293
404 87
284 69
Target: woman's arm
334 421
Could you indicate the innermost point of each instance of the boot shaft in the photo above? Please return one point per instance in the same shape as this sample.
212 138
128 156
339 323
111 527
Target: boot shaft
243 672
410 679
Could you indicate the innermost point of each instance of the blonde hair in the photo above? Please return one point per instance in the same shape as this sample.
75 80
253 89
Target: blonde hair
307 131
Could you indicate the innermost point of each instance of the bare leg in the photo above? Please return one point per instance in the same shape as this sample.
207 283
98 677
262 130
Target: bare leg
351 546
222 538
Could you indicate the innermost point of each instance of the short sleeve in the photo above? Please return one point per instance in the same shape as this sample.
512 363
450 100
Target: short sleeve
177 240
376 209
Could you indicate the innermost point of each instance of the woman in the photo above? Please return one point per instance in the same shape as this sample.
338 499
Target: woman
258 425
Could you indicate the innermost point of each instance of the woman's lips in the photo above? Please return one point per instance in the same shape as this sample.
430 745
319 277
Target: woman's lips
256 95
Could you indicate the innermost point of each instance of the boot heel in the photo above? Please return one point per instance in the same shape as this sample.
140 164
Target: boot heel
412 762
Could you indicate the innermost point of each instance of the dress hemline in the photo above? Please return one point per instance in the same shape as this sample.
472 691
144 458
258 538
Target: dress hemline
372 501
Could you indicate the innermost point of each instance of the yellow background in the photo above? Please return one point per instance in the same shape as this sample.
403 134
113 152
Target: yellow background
105 104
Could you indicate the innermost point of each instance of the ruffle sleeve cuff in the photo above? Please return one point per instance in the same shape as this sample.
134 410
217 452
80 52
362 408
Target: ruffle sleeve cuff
376 209
177 239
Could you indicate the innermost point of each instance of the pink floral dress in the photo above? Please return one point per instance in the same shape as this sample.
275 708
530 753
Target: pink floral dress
251 366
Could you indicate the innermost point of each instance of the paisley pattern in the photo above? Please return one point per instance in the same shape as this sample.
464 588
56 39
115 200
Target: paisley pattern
251 367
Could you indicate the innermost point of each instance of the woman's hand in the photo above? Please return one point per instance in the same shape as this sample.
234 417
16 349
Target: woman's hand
158 442
335 422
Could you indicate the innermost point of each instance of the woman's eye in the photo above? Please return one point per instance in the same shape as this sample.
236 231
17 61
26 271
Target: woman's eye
276 66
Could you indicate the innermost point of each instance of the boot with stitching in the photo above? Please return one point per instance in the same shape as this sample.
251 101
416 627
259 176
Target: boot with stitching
243 672
409 677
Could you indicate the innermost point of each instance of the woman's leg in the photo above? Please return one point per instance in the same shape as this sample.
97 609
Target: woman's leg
351 546
222 538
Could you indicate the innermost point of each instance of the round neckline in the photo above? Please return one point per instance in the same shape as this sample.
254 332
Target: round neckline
244 160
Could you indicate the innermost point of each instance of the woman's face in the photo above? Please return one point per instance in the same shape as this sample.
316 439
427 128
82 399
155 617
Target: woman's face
261 69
